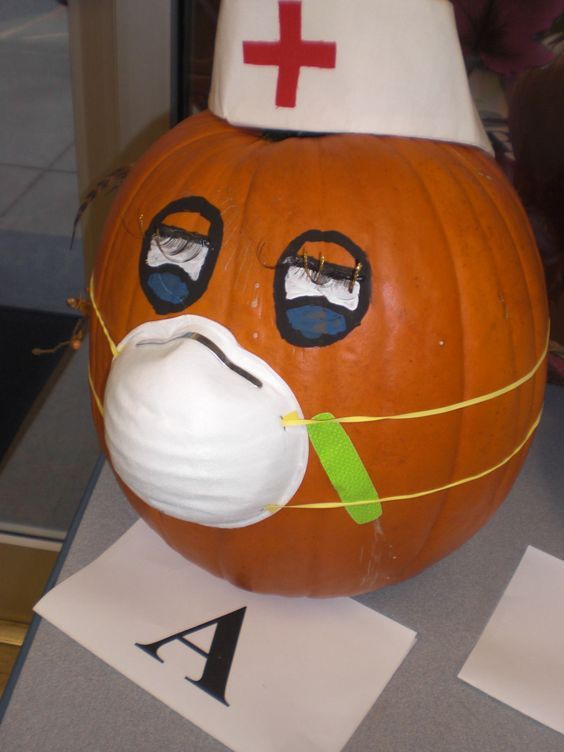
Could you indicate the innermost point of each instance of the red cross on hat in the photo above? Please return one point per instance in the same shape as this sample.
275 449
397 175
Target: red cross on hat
389 67
290 53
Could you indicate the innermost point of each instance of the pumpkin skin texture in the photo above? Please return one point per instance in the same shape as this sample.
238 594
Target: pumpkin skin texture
457 309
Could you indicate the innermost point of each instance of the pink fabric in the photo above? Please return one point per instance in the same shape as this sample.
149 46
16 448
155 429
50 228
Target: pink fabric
503 32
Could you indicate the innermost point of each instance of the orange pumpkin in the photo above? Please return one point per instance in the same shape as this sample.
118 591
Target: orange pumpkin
455 310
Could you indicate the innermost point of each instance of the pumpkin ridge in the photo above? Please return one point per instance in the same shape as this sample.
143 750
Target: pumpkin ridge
442 498
360 183
518 395
390 145
525 273
499 480
254 159
135 176
140 175
493 201
222 150
256 162
113 255
510 195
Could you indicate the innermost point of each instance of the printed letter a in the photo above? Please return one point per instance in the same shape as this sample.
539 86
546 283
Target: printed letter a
220 657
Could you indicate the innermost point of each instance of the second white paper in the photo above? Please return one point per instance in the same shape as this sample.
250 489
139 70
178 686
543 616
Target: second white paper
519 659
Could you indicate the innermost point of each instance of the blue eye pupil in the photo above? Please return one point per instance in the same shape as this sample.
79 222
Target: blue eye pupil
168 287
313 321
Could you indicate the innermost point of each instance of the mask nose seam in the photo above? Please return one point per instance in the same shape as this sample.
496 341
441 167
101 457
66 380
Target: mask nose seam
212 347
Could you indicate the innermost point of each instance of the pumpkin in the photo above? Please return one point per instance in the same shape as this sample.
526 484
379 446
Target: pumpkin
449 334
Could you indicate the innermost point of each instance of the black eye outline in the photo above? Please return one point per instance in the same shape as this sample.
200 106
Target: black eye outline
321 273
168 233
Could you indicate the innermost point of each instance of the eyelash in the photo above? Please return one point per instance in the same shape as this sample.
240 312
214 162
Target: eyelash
321 272
172 241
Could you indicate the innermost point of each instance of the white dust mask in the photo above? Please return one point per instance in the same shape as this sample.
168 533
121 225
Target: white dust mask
193 424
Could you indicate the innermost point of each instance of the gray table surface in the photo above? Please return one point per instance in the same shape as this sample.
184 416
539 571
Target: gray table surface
64 699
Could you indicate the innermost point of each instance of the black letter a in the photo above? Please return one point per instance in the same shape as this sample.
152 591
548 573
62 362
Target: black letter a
219 659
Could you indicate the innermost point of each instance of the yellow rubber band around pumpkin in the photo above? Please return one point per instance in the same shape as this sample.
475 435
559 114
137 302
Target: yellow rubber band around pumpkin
407 497
290 420
111 343
97 399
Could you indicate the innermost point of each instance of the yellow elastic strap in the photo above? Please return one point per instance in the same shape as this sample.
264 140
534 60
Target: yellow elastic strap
111 343
97 399
418 494
291 420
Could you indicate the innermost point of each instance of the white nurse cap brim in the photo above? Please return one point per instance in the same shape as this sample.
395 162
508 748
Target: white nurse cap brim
388 67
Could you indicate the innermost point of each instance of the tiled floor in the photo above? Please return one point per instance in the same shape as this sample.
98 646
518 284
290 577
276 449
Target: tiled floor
39 196
49 467
50 464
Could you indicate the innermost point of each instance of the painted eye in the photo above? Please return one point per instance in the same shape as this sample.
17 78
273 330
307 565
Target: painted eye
179 253
318 301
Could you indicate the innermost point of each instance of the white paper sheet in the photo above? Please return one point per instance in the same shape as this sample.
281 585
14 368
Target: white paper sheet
519 659
303 675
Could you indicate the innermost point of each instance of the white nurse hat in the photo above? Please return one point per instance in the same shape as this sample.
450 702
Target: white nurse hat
389 67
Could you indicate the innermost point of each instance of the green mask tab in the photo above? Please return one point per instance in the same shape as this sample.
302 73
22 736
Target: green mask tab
344 467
